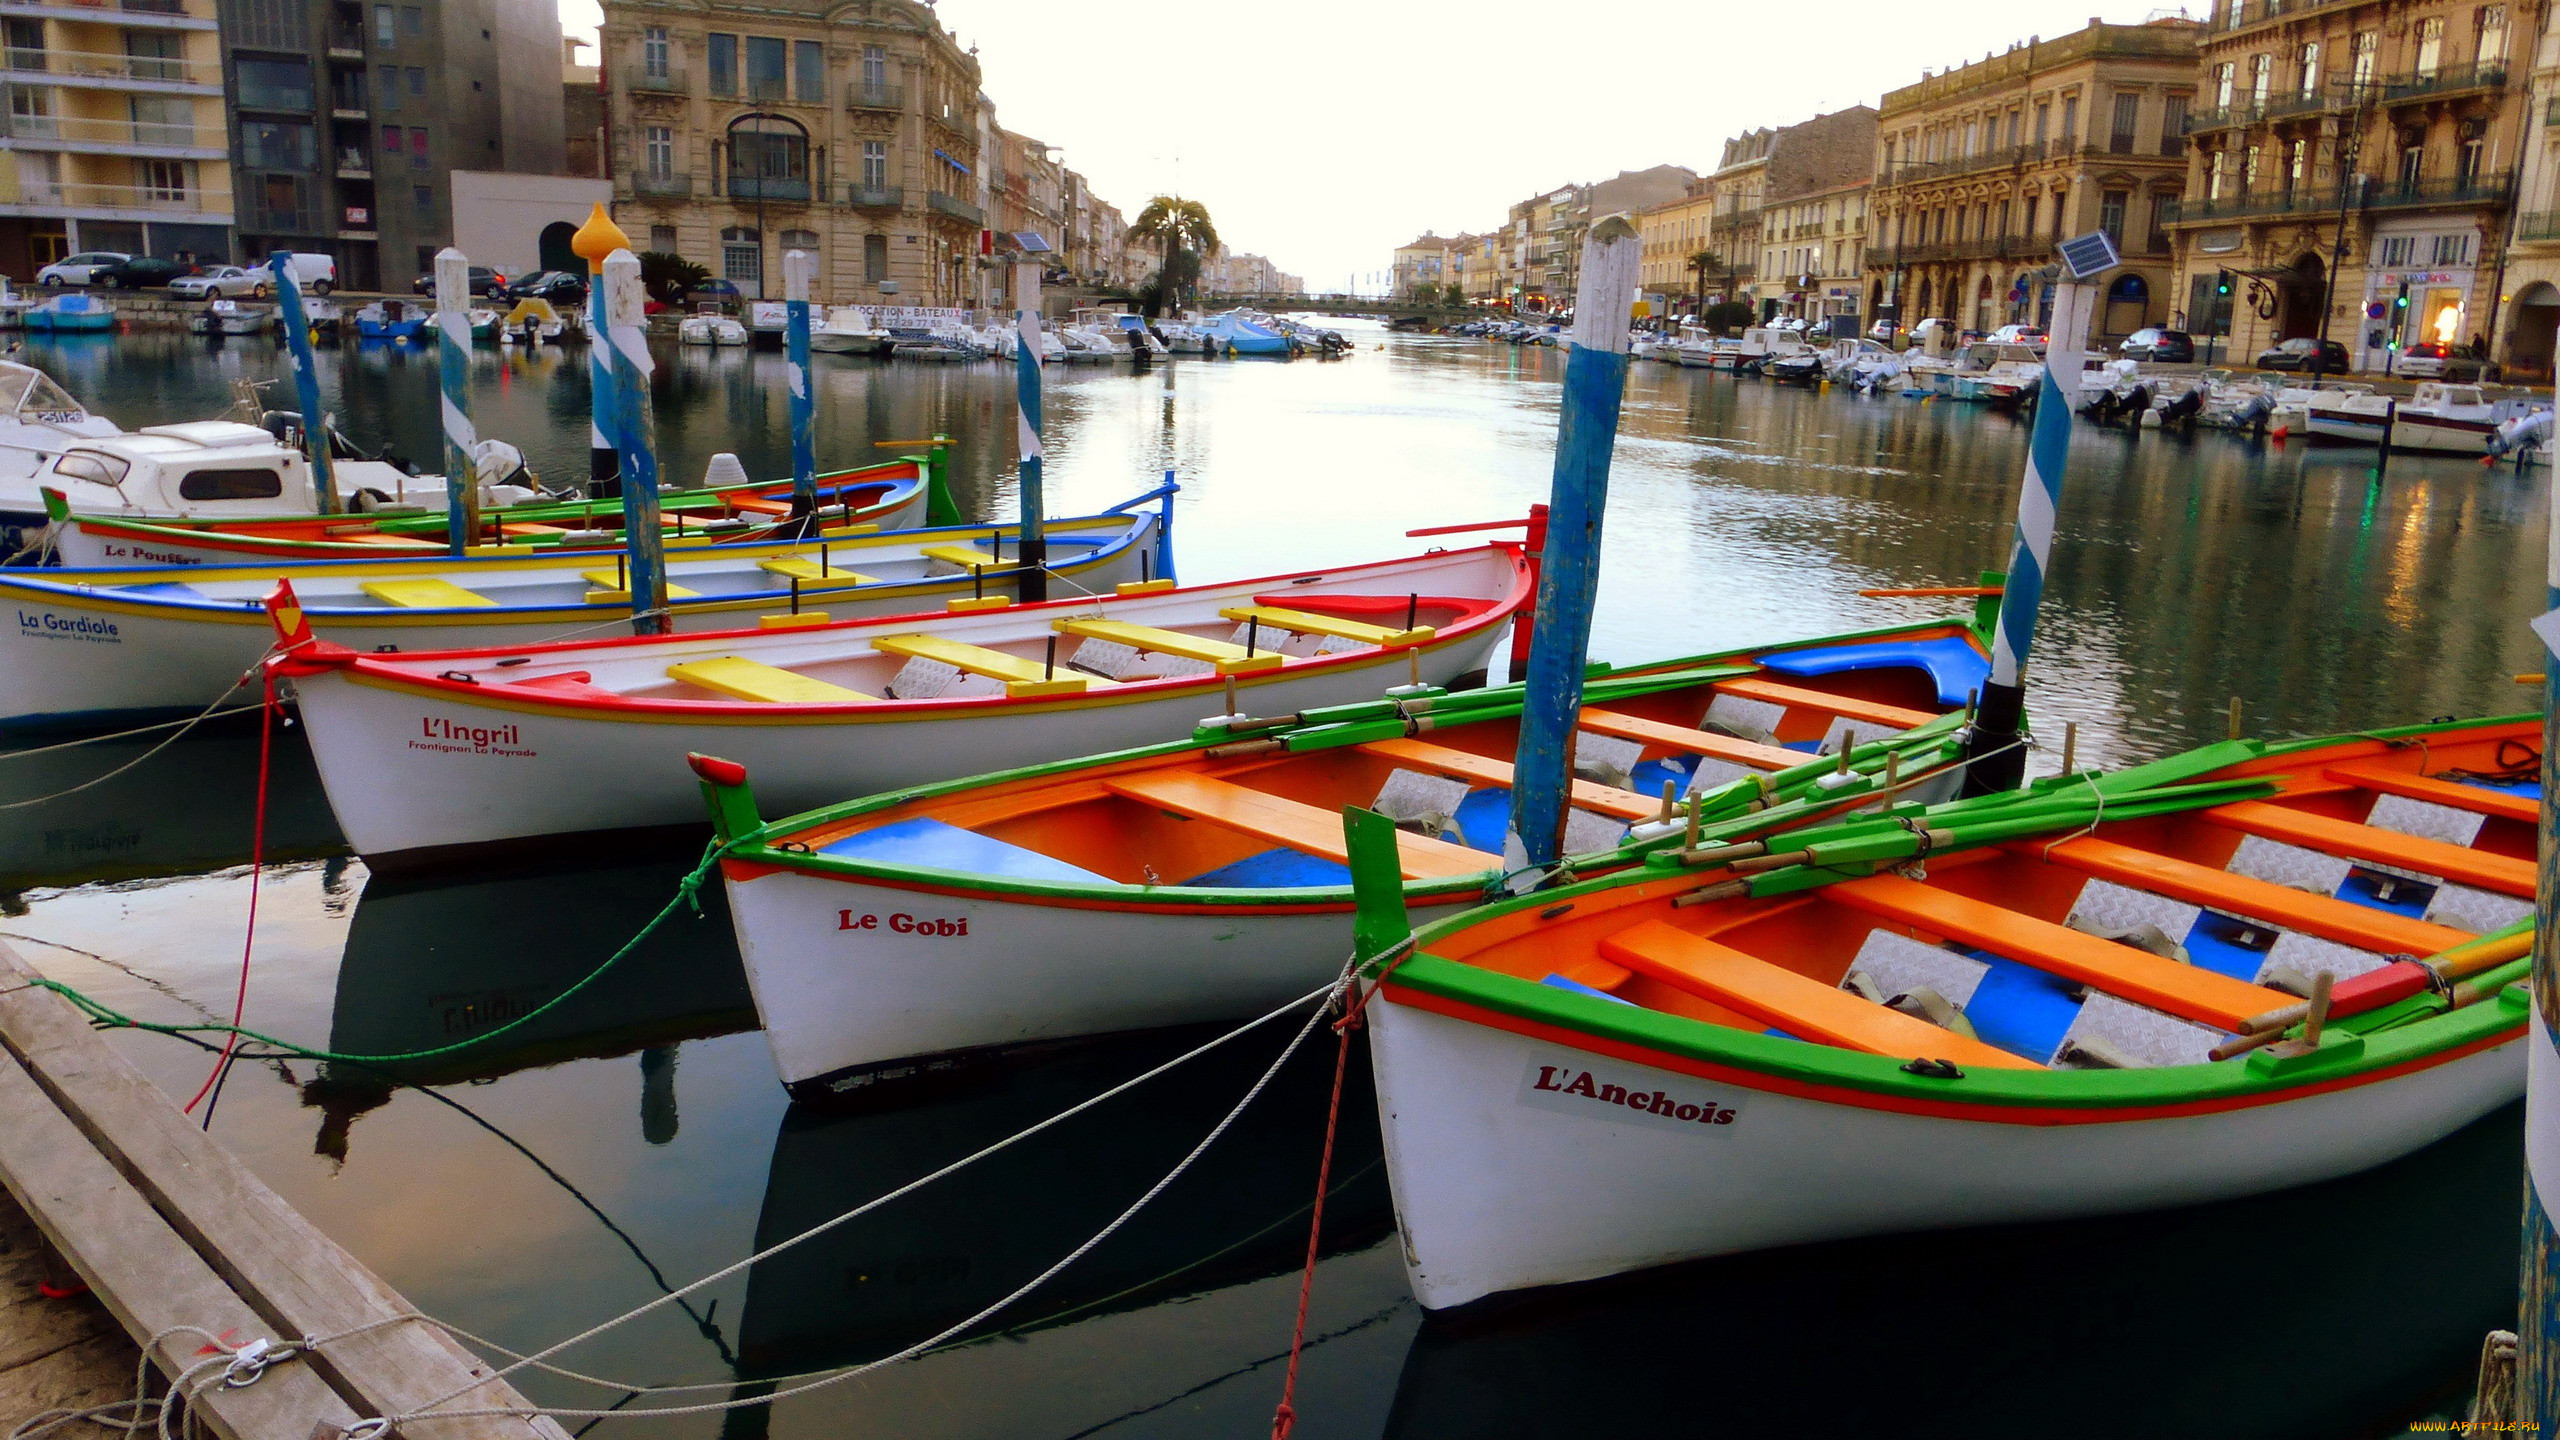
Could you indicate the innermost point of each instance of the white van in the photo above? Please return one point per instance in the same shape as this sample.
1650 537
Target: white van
315 273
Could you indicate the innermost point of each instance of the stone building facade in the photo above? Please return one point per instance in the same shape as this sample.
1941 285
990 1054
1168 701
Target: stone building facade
1981 170
1813 204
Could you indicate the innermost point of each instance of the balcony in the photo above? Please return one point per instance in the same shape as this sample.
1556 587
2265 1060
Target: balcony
345 43
132 14
674 82
661 187
863 95
86 201
75 135
787 188
2540 225
2222 117
876 197
2306 201
2444 81
86 70
955 207
2445 190
354 165
262 220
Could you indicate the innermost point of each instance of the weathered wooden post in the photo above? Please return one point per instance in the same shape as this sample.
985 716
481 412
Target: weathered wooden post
626 337
1032 549
306 380
1996 758
1595 380
453 363
595 240
799 270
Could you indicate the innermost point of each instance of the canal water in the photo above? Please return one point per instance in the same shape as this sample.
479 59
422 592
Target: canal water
635 1138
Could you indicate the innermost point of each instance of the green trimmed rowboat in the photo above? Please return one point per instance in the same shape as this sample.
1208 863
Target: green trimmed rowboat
2186 981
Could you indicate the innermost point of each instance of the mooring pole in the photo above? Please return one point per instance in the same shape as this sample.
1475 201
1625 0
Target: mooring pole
306 380
1998 761
2537 1397
1032 551
1595 379
595 240
627 337
799 270
453 364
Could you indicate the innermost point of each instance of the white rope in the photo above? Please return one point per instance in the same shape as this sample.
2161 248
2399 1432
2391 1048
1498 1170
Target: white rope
822 1379
174 737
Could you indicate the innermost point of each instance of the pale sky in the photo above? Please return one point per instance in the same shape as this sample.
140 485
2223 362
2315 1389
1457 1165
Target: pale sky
1325 133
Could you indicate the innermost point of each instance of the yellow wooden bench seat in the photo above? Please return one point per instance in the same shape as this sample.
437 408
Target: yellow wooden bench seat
1230 659
426 594
1684 740
967 557
1308 623
1864 711
2474 798
1022 678
1295 824
2186 991
1485 770
2349 840
793 568
2279 905
1803 1007
742 679
608 581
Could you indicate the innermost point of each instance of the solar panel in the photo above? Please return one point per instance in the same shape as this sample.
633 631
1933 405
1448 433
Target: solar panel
2090 255
1030 242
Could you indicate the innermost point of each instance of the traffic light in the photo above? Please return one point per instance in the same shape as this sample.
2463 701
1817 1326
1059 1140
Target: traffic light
2221 283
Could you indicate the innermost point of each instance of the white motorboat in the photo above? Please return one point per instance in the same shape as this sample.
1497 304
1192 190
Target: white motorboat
847 330
532 322
2348 416
229 317
1696 347
768 322
2453 419
710 330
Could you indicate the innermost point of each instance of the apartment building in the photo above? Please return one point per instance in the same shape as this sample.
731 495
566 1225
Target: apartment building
1430 259
116 121
1981 170
1670 233
349 117
2529 313
1740 182
2354 172
739 131
1813 181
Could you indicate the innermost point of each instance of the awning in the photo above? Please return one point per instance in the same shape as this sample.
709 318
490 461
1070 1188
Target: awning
947 160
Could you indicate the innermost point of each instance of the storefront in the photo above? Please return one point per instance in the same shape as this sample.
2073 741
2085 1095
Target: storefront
2421 288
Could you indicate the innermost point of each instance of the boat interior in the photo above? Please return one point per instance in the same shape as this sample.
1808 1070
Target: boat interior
2134 943
1266 821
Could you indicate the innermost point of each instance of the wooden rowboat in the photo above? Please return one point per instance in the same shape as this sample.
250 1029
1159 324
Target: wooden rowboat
94 646
1203 879
428 756
1996 1010
879 497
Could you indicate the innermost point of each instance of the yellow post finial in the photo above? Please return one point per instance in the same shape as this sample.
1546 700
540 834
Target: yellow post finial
598 238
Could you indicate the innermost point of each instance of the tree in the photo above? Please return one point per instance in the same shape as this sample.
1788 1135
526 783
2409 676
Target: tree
667 277
1702 262
1177 226
1728 315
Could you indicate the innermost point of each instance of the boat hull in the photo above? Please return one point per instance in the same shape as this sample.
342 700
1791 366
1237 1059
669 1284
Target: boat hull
1480 1153
2416 430
2344 429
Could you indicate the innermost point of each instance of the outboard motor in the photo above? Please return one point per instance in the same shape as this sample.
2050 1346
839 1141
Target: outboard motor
2523 432
2184 409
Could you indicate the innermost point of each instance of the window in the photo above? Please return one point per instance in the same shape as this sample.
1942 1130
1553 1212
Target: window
275 84
2360 61
2466 163
2231 14
875 66
653 52
2491 23
809 72
418 81
2216 174
662 239
2297 156
1972 137
2044 113
386 25
724 64
278 145
413 22
390 87
26 44
94 466
2156 239
875 164
2452 250
2120 127
2032 202
2173 125
659 147
417 148
769 163
2111 214
231 484
422 197
2222 86
765 63
2070 118
392 140
2413 158
2249 173
742 256
2004 219
2013 129
162 180
157 119
2430 45
800 240
2397 250
2310 69
2262 70
875 257
158 55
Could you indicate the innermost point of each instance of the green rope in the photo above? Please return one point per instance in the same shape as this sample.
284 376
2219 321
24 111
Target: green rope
688 893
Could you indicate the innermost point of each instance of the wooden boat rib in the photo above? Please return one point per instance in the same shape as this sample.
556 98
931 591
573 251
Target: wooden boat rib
595 730
2055 999
879 497
1108 894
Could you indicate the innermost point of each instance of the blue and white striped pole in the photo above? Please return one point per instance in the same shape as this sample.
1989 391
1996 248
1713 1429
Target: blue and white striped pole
626 339
453 363
1032 549
596 239
1595 379
2537 1398
799 269
306 380
1999 762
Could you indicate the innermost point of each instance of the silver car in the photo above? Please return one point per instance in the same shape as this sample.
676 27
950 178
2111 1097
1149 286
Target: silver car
229 281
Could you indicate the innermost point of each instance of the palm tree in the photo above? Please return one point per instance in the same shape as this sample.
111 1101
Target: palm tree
1702 262
1176 225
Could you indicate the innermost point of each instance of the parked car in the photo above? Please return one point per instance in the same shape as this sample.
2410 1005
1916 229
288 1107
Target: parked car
2436 360
1931 332
1883 330
2317 357
2169 347
484 281
559 287
80 269
220 280
313 272
2027 335
140 273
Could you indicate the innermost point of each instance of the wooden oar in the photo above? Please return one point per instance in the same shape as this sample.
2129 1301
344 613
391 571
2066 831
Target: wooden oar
2388 985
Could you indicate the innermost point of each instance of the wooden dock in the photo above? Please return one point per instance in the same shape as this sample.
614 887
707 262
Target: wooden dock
170 1230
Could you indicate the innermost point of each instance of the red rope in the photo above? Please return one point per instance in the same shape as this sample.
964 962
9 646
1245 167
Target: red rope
257 867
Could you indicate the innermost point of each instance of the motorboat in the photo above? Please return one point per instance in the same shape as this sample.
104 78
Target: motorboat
1694 348
847 330
943 341
326 318
392 320
226 316
2451 419
768 322
71 314
1242 332
2014 376
532 322
13 306
710 329
2354 416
